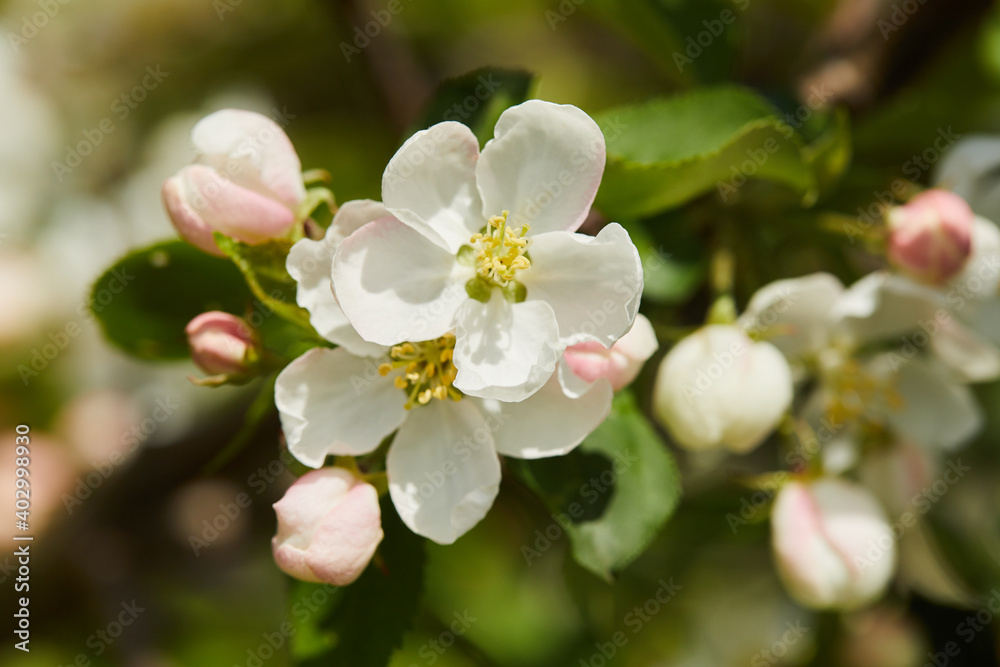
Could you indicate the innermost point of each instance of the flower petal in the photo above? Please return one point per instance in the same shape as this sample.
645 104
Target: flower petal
544 165
332 402
311 263
934 411
549 423
443 471
793 314
395 285
884 305
593 283
227 207
253 151
975 358
505 351
980 279
430 184
347 537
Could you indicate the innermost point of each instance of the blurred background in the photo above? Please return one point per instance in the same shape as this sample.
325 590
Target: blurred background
143 556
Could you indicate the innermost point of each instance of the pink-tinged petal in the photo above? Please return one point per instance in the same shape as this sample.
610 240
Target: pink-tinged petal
621 363
544 165
224 206
347 537
549 423
505 351
332 402
593 283
185 219
394 285
443 470
222 343
253 151
930 237
430 185
833 544
329 525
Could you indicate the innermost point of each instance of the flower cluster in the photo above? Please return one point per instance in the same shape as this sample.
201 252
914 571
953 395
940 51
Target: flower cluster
470 320
466 319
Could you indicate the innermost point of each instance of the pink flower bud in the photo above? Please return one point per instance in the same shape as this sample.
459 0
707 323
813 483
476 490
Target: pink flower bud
329 525
222 344
930 237
620 364
833 544
247 182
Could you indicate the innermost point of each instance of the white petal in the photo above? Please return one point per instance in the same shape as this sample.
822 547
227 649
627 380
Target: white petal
443 470
970 170
332 402
592 283
430 184
394 285
980 278
975 358
311 263
544 166
793 314
505 351
883 305
549 423
251 150
935 411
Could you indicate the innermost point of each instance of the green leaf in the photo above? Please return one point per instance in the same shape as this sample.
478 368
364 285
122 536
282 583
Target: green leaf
610 530
263 267
671 272
666 152
366 621
144 301
477 99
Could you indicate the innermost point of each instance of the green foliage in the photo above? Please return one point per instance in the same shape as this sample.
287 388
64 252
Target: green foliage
362 624
144 301
263 267
610 526
664 153
477 99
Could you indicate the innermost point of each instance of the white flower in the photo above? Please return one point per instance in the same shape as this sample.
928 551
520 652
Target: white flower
329 525
247 182
719 388
916 388
483 245
443 467
832 543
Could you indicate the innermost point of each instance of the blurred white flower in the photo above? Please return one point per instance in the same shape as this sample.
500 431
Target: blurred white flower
720 388
833 544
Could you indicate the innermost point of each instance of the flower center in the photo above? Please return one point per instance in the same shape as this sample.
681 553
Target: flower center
428 370
501 251
854 391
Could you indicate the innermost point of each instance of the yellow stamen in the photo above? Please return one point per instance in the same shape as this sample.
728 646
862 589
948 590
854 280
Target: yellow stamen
500 253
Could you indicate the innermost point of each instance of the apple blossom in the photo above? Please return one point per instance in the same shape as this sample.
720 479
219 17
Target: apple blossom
246 182
442 467
917 389
483 245
832 543
719 388
329 525
621 363
222 344
930 237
